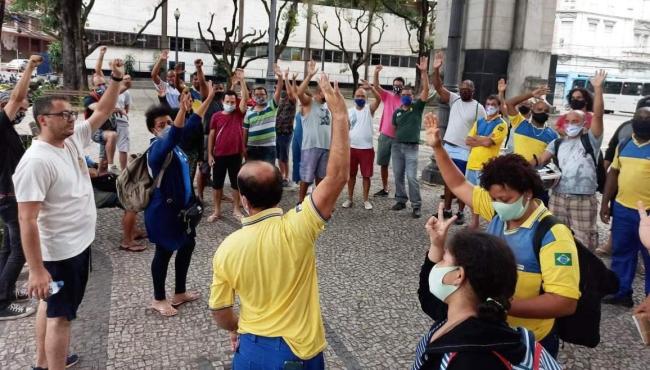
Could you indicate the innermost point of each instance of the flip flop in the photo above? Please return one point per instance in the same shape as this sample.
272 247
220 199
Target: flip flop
164 313
213 218
193 297
139 248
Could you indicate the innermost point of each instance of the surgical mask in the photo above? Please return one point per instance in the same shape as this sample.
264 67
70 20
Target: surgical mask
573 130
491 110
577 104
524 110
228 108
641 129
165 131
407 100
540 118
397 89
260 101
19 117
360 102
510 211
436 286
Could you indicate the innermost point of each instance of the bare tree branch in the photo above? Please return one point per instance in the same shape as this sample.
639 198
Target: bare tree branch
148 22
87 8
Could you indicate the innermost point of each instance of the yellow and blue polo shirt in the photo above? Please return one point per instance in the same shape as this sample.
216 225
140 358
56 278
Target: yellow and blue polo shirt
271 264
497 130
529 140
633 164
556 272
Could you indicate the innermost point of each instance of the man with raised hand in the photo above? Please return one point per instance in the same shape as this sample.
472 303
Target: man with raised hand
57 215
170 87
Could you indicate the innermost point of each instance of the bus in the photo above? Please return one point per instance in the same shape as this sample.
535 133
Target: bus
620 94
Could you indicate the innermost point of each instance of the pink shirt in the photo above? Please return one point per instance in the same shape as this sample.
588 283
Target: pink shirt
391 102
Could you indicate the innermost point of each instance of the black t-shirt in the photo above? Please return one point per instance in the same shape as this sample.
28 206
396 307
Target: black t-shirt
11 150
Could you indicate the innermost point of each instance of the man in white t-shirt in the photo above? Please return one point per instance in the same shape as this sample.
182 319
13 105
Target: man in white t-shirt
58 216
464 110
122 121
171 86
362 152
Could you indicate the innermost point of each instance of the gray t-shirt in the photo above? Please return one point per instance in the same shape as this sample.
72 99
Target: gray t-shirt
462 116
578 168
317 127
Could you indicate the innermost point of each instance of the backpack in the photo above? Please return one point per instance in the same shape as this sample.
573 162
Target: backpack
135 185
536 358
596 281
601 173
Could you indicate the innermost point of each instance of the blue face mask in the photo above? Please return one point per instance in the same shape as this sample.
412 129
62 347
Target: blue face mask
407 100
360 102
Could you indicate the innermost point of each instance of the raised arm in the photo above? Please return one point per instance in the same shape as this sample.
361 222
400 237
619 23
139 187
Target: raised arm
338 167
375 92
184 107
178 72
424 78
203 86
277 94
437 81
100 61
200 111
19 92
155 71
238 77
311 72
452 176
538 93
106 104
501 89
291 86
376 86
599 104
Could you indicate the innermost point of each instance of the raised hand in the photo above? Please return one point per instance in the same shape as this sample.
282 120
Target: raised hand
423 65
277 70
198 63
432 131
599 78
102 50
540 91
502 86
35 60
311 68
644 225
212 88
161 90
186 101
335 101
364 84
238 76
438 60
437 228
117 68
378 68
164 54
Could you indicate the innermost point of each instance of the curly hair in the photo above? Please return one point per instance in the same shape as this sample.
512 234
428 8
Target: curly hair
490 268
589 99
514 171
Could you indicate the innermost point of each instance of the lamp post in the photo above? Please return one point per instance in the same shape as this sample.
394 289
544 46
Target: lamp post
322 56
270 73
177 14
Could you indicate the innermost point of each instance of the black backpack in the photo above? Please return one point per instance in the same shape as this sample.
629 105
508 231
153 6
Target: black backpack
601 173
596 281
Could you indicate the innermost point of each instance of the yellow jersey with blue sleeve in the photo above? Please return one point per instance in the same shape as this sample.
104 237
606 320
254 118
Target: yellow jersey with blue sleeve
528 140
497 130
633 164
270 263
556 271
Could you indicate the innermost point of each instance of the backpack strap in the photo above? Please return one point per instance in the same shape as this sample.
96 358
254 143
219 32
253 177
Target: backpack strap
584 139
556 147
543 227
168 160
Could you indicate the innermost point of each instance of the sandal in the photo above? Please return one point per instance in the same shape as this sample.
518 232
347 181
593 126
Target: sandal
133 248
165 312
190 297
213 218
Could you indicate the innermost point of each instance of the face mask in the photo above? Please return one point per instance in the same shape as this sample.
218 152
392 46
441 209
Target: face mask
466 95
641 129
436 286
510 211
360 102
19 117
491 110
540 118
397 89
260 101
577 104
407 100
524 110
165 131
228 108
573 130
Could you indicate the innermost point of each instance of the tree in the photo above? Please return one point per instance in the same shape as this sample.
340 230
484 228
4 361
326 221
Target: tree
368 17
233 53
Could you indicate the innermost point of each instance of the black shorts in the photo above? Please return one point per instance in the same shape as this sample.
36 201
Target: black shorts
74 274
228 163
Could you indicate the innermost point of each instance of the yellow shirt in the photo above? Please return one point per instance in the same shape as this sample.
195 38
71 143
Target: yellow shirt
497 130
633 164
529 140
557 271
271 264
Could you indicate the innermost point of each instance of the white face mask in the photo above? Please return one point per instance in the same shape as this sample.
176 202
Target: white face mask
573 130
436 286
228 108
491 110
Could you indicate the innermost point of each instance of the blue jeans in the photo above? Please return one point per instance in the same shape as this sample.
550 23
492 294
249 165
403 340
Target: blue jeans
12 258
265 353
625 248
405 162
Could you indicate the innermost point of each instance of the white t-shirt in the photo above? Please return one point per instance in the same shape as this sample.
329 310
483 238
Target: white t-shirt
171 94
123 100
361 129
462 116
58 177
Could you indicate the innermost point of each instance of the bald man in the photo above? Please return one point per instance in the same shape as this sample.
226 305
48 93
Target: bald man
271 263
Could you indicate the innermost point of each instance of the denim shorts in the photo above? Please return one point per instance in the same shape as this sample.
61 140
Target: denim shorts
313 164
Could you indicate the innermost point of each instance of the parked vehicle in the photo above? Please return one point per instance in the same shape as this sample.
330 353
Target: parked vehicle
17 65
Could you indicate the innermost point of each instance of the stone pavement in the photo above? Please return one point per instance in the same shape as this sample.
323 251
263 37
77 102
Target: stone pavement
368 265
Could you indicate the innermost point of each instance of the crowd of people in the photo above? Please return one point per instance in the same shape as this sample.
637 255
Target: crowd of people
496 289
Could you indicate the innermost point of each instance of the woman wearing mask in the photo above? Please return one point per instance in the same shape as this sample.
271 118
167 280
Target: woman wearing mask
580 99
466 286
506 197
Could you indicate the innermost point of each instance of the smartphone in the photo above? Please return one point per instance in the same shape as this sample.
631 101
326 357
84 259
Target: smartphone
292 365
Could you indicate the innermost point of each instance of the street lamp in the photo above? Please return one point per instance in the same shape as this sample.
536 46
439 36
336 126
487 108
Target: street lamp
177 14
322 56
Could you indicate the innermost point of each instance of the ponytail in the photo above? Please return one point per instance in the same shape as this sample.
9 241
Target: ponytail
494 310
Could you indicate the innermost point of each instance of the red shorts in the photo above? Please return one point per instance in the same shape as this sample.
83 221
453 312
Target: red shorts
363 158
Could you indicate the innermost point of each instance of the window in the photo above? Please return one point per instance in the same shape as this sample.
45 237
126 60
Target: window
579 83
296 53
646 89
286 54
375 59
394 60
216 46
385 60
609 26
337 57
632 88
413 61
250 52
404 62
315 54
612 87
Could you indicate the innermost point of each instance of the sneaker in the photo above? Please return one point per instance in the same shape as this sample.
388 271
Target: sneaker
20 295
460 218
416 213
71 360
625 301
113 169
347 204
15 311
446 214
367 205
381 194
398 206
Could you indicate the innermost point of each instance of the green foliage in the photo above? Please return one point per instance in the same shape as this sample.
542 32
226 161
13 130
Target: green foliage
56 60
46 10
129 64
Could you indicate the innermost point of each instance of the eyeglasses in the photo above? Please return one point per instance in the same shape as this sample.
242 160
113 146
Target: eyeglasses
66 115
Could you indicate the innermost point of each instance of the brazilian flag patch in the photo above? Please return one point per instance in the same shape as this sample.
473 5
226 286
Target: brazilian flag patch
563 259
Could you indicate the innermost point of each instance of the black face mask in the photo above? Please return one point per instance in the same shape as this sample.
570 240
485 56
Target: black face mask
540 118
577 104
397 89
524 110
641 129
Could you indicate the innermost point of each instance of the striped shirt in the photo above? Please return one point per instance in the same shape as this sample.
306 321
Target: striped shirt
261 125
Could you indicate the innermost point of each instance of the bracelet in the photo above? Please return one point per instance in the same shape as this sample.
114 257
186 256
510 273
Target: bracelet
117 79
